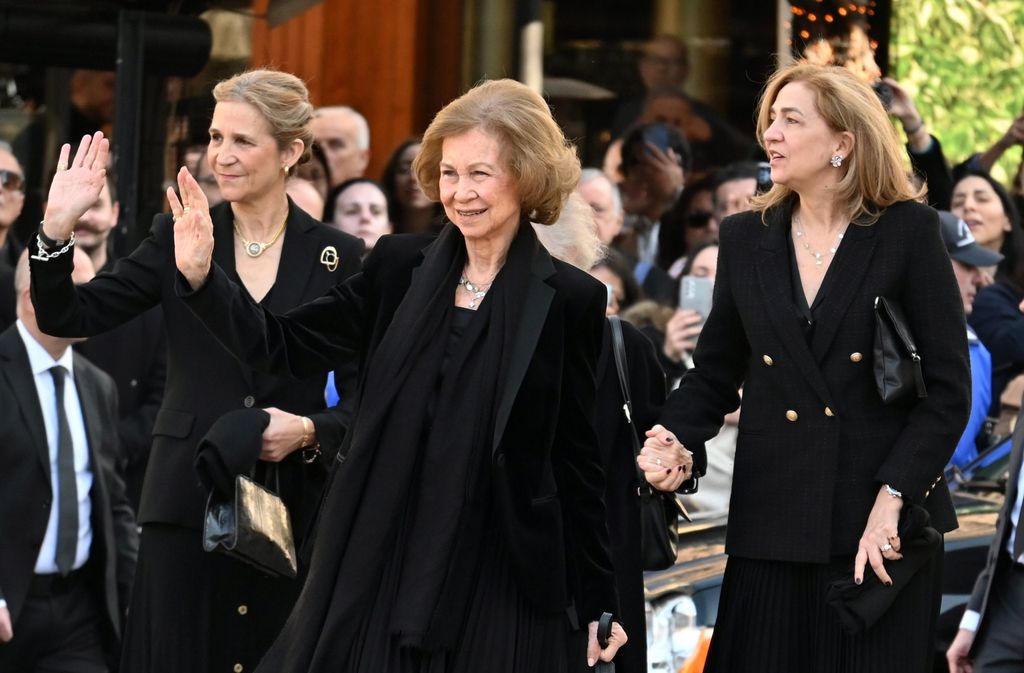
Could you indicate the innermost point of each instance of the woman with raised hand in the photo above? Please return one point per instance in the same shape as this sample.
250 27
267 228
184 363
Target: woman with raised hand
191 610
465 530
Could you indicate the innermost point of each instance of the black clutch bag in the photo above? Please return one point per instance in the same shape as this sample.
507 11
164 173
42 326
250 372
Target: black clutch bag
659 511
253 526
897 365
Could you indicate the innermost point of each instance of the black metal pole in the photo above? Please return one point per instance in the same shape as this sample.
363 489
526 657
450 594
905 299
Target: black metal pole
131 27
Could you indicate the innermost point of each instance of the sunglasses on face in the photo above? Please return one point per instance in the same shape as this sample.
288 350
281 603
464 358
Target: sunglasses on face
698 220
11 180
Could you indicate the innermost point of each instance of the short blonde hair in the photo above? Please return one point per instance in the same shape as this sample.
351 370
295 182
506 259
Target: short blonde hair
543 163
280 97
874 175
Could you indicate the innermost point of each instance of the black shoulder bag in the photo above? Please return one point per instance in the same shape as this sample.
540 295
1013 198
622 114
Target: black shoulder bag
659 511
897 363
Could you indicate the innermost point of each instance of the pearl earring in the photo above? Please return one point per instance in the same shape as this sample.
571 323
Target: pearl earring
836 161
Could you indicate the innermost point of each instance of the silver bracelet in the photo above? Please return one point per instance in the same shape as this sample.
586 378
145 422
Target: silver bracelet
42 255
893 492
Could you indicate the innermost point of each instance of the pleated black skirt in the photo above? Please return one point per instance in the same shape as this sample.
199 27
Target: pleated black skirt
502 631
773 618
197 611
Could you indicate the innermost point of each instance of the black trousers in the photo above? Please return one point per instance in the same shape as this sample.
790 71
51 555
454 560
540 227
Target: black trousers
58 630
1000 646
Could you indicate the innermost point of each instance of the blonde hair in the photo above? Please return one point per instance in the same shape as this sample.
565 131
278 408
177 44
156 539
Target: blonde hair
874 176
280 97
573 237
543 163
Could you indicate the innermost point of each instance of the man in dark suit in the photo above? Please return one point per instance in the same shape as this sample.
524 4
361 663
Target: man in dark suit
12 200
991 636
69 539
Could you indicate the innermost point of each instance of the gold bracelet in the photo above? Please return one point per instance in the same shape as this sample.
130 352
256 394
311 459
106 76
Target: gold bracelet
307 432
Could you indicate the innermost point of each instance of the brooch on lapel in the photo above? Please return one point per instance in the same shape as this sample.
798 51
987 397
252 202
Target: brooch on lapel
329 258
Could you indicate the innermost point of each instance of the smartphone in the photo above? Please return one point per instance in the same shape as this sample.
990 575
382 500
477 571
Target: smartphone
658 135
695 294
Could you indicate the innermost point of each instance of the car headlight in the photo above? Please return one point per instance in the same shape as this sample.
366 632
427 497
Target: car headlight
673 634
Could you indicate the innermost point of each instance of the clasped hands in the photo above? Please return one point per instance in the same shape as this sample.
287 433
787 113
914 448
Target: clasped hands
666 463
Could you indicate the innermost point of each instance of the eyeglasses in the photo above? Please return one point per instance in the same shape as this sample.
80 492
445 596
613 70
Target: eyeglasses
11 180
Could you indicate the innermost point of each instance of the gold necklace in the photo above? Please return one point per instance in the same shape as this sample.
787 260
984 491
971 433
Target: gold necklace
256 248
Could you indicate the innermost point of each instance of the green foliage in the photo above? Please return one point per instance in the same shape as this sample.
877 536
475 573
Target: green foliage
963 62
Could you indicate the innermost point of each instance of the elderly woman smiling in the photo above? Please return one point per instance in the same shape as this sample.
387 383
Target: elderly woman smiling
467 521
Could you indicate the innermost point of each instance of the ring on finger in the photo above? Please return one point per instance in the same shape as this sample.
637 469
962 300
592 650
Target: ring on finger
886 547
185 210
657 461
62 166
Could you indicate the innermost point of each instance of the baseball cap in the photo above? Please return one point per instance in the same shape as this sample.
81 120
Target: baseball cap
960 243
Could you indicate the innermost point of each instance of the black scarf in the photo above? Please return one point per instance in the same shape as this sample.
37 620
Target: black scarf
408 480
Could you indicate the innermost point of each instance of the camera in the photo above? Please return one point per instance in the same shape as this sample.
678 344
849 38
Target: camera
884 93
764 177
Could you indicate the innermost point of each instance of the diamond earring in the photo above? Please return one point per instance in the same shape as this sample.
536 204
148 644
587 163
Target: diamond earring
836 161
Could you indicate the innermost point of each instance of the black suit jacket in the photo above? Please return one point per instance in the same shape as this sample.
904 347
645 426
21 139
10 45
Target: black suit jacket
815 440
203 381
26 495
547 478
997 551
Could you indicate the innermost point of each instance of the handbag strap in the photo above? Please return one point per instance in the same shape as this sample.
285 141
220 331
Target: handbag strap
619 350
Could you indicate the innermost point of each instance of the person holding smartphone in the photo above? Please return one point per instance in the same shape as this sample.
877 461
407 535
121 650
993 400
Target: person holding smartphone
823 466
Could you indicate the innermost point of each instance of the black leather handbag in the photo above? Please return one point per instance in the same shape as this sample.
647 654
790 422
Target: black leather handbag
659 511
897 364
253 526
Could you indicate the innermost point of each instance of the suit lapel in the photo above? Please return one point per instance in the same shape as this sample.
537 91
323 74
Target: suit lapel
88 397
848 268
299 256
535 310
19 377
773 270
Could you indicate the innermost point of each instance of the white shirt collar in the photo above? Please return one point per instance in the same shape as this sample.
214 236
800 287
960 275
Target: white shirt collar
41 361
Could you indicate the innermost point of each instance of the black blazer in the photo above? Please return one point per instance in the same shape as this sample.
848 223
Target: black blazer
26 495
815 440
546 469
203 381
997 550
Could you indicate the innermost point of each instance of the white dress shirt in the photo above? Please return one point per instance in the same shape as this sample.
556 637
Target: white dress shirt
41 362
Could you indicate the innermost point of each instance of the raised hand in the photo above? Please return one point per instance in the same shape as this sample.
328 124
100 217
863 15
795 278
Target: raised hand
193 230
76 185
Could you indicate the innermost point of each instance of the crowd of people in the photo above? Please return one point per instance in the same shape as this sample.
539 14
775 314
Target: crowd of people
441 410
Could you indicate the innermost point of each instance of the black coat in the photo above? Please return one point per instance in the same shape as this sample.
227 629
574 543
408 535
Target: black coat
997 553
546 474
26 494
815 440
647 394
203 381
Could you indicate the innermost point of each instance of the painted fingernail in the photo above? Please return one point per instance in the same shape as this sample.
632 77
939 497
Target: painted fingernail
668 471
857 580
669 439
680 468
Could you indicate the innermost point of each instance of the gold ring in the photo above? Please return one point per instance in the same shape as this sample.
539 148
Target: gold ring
62 166
184 211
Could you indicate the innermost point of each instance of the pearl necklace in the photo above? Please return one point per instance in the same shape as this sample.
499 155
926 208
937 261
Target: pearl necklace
819 257
477 290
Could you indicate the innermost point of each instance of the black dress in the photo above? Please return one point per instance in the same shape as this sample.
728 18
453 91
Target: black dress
803 633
